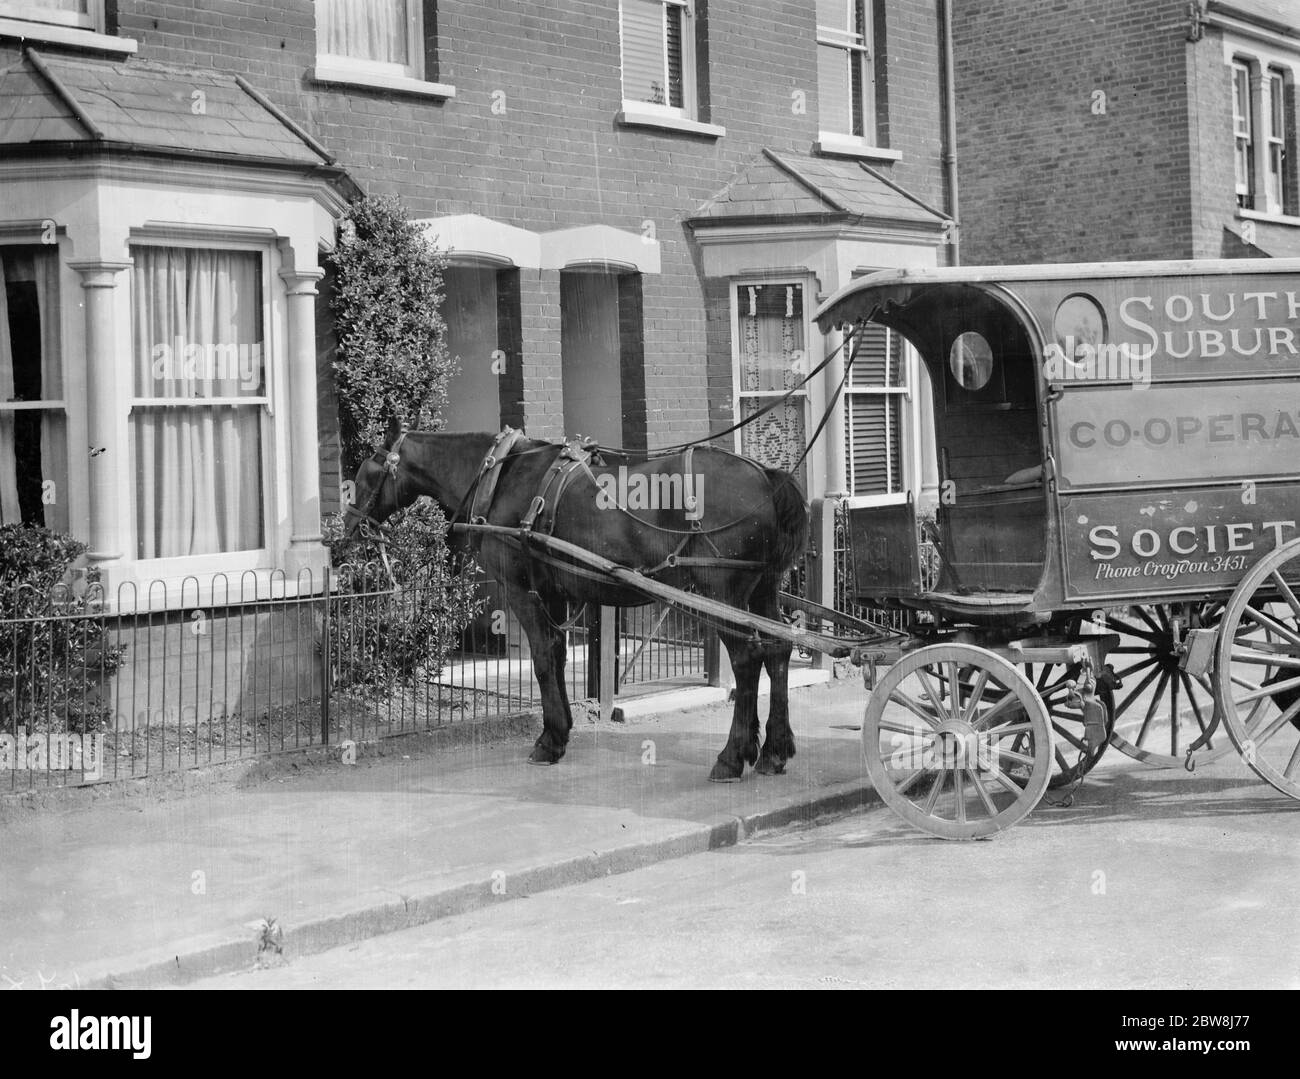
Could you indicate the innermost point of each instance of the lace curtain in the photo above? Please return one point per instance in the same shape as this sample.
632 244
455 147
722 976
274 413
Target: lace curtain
773 359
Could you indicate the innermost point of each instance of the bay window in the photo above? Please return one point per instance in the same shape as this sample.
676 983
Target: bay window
771 358
201 398
33 428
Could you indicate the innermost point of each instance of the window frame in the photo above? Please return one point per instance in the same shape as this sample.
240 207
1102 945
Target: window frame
686 118
218 561
1276 143
809 393
1243 134
46 404
863 103
907 362
30 11
412 78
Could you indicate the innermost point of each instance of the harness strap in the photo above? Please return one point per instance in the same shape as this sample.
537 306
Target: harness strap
484 488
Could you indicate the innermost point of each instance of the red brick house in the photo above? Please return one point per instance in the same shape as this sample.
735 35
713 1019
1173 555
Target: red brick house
1118 130
644 202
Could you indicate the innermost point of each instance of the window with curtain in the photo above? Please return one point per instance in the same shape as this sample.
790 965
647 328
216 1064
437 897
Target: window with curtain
772 357
658 45
200 379
379 36
86 14
845 78
33 428
1275 185
873 413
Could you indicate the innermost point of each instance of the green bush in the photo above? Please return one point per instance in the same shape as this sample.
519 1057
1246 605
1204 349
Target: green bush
54 652
384 631
386 299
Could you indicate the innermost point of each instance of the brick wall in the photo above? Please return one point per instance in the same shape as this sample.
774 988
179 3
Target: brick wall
1044 177
555 157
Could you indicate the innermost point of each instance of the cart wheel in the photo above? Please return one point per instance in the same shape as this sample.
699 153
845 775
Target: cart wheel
1073 758
1257 669
1162 712
937 738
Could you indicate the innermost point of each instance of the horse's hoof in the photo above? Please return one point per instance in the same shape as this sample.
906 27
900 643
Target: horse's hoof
726 773
769 767
544 756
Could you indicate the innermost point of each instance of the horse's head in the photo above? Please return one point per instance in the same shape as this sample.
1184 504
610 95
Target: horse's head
376 494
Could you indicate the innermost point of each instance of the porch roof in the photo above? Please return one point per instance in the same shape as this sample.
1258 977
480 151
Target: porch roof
777 186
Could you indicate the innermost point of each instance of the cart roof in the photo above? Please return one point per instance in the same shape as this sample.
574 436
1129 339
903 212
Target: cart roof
857 299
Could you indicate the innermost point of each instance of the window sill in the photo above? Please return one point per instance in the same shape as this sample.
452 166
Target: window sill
828 142
1273 219
67 35
632 116
334 76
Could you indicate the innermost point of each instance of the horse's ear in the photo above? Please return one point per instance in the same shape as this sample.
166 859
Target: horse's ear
394 429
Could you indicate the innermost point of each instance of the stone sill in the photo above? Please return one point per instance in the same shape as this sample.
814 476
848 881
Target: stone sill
828 142
632 116
67 35
1271 219
334 76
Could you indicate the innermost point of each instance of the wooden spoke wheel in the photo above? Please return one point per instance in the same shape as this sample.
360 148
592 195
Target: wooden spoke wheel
1074 757
1257 669
1162 712
957 741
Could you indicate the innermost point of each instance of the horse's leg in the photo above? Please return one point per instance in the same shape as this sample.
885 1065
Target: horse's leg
547 646
742 741
778 746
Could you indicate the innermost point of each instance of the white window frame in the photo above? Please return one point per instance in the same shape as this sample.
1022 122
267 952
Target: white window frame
228 562
414 50
28 21
861 46
28 11
908 360
810 393
1274 138
49 404
408 78
688 112
1243 134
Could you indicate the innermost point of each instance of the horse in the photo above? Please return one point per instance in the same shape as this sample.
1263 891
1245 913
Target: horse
721 525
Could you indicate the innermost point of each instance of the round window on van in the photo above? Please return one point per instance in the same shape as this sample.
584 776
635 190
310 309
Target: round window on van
971 361
1079 327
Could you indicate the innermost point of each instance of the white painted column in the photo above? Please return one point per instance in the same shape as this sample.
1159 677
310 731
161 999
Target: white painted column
106 467
836 451
306 551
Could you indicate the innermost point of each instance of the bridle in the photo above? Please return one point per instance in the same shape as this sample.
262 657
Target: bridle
371 529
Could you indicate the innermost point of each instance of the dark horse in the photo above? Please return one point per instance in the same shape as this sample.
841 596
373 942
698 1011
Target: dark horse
730 536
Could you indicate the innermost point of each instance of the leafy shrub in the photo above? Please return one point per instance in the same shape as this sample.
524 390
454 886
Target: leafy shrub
383 632
392 360
54 651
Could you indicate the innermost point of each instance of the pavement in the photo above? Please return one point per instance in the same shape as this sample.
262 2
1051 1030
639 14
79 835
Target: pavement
151 888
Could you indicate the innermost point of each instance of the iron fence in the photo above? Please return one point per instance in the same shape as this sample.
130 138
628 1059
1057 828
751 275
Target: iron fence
173 675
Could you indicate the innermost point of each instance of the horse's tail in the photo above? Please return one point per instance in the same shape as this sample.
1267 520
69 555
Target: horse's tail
791 513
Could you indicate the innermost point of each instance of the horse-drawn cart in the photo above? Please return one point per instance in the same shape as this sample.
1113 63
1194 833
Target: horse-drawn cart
1119 495
1118 507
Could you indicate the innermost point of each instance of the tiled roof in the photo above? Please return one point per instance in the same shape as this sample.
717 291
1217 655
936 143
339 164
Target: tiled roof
789 185
141 104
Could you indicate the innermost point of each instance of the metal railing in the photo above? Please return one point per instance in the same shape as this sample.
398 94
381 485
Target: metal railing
173 675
